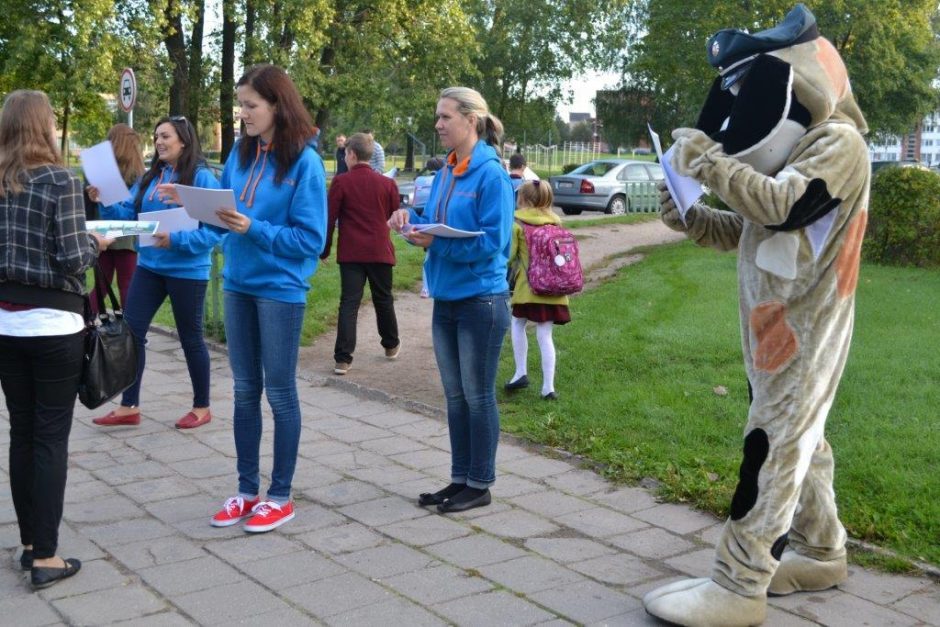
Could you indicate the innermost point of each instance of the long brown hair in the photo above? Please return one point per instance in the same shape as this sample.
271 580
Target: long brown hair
126 145
190 160
27 137
293 127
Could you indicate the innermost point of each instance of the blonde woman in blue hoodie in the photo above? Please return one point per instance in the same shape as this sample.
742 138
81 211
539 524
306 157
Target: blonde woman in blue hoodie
467 279
275 237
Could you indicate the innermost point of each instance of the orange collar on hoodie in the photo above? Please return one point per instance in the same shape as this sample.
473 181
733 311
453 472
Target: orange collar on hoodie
250 187
172 169
461 167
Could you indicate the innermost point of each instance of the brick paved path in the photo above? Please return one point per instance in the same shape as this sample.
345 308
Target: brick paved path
559 545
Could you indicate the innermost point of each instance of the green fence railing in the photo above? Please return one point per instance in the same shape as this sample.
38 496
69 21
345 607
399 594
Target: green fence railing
642 196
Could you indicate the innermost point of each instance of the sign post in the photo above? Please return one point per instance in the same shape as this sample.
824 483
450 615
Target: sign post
127 95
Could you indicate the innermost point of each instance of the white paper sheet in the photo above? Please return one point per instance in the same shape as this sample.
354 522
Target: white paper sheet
201 204
684 189
101 170
171 221
120 228
442 230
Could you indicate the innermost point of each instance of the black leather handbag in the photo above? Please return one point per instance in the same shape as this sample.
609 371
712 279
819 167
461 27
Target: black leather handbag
110 364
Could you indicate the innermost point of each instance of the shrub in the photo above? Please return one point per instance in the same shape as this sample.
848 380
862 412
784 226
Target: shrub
904 218
568 167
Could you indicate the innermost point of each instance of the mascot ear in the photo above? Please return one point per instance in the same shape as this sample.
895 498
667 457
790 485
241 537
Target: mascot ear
766 121
716 110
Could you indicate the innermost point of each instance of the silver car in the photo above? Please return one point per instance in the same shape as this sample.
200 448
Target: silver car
613 186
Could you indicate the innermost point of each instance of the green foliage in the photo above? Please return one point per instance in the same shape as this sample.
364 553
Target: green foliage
568 167
638 368
904 218
889 47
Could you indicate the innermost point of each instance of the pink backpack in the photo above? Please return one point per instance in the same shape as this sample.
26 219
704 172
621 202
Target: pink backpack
554 267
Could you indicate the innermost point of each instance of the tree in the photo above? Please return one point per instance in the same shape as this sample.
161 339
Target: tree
530 47
58 46
889 47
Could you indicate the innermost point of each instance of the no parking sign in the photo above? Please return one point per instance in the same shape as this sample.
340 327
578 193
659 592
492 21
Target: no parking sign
128 93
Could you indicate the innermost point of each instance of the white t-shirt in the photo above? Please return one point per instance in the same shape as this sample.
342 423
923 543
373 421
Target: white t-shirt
40 322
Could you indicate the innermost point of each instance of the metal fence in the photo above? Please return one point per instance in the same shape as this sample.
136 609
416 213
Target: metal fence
643 197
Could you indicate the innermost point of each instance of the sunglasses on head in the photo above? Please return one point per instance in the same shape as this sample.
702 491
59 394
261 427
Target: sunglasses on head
178 118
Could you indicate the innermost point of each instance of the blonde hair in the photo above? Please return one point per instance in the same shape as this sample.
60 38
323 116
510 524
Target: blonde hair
126 144
469 101
27 137
535 194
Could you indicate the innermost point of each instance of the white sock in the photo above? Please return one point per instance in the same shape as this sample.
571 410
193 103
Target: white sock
543 333
520 347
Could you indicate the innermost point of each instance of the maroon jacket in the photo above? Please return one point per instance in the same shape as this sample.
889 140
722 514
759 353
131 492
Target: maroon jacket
362 201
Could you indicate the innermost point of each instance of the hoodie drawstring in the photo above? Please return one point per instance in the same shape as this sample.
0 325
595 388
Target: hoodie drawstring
250 187
160 182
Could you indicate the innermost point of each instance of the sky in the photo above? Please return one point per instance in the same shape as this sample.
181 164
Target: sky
583 92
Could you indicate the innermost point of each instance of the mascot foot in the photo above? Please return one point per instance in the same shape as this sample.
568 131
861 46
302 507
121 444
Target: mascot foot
798 573
703 603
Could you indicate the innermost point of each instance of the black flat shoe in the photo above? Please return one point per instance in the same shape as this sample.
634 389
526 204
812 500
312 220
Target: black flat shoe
45 576
551 396
26 559
450 505
436 498
518 384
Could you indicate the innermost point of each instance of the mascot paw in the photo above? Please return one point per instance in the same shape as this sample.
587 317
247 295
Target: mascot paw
691 151
668 211
703 603
798 573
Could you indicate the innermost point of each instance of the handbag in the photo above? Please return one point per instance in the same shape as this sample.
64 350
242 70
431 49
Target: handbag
110 362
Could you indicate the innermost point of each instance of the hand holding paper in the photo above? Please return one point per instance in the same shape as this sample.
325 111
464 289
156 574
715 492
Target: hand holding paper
683 189
204 204
101 170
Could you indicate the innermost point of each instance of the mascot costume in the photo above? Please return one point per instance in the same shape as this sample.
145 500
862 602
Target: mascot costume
779 140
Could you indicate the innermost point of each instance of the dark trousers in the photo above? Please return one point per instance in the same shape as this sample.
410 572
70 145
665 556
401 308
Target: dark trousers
187 297
40 377
353 278
120 262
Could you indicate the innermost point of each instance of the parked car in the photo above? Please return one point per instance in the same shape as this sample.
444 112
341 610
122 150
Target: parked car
415 194
876 166
605 185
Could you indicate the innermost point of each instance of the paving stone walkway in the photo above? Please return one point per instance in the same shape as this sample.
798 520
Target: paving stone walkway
558 546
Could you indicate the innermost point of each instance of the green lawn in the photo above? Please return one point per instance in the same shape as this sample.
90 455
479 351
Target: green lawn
639 364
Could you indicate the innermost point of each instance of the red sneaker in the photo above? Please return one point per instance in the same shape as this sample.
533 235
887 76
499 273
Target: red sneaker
113 420
233 511
191 420
269 515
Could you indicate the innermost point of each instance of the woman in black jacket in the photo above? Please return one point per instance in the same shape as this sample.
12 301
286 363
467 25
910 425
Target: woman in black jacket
42 278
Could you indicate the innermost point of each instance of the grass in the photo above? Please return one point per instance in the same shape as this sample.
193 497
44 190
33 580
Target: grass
323 297
629 218
639 367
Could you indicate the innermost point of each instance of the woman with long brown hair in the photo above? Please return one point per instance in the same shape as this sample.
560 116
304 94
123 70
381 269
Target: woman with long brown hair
42 282
121 257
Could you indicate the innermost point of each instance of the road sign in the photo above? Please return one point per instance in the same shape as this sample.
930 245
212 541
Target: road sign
128 93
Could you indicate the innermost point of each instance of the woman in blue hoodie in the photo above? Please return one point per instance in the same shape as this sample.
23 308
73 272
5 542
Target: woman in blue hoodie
177 266
276 235
467 279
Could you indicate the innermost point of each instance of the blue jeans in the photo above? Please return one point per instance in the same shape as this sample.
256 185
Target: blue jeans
468 335
187 296
263 340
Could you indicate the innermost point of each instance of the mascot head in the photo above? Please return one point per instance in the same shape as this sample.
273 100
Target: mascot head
772 87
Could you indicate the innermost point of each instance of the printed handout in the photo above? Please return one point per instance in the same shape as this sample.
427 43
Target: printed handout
683 189
121 228
201 204
170 220
101 170
442 230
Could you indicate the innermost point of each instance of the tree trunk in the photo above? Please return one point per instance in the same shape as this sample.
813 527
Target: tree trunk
64 146
195 64
227 88
176 50
251 45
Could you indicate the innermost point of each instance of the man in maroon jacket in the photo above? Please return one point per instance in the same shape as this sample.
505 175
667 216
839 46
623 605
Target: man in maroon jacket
361 202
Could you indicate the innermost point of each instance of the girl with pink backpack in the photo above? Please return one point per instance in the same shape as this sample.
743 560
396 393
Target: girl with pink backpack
534 212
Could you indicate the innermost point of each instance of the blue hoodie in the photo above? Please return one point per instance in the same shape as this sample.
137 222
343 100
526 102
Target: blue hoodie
188 254
277 256
475 197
